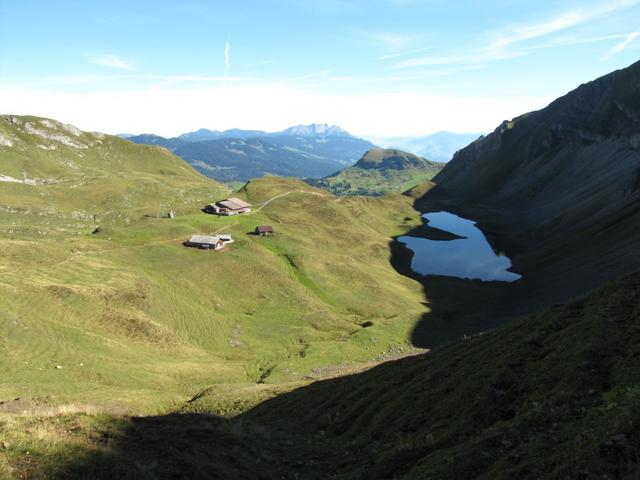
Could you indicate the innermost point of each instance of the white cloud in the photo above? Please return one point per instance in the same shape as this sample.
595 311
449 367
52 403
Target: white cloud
510 41
227 59
575 40
389 40
518 33
405 53
479 56
270 107
630 37
110 60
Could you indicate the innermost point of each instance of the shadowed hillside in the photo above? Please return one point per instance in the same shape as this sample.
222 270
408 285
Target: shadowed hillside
552 395
557 189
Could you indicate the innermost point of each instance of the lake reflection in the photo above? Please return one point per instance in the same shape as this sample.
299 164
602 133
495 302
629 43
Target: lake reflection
470 257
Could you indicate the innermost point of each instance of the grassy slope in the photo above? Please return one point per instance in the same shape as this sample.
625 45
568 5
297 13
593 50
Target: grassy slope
72 181
134 318
380 172
552 395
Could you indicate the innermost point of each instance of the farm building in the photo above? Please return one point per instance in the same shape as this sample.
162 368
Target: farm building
205 242
264 230
230 206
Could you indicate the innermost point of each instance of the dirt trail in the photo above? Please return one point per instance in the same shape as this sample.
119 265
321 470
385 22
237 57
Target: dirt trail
267 202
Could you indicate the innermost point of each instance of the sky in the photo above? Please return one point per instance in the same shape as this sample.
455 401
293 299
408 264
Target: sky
378 68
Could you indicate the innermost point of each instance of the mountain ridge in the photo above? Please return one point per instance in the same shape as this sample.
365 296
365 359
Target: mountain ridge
306 151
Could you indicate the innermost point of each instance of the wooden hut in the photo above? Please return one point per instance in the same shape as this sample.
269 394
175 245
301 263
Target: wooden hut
264 230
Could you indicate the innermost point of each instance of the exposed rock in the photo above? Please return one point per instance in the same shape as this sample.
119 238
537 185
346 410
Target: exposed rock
55 136
5 141
26 181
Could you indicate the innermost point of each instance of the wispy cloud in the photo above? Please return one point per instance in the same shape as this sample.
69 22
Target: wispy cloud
630 37
227 58
405 53
389 40
512 40
569 19
477 57
575 40
110 60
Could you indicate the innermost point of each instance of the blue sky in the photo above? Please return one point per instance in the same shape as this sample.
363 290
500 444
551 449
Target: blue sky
377 68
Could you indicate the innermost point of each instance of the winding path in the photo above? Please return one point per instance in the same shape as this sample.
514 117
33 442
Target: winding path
267 202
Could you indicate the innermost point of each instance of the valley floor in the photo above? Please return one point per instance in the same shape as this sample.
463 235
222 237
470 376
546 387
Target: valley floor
122 315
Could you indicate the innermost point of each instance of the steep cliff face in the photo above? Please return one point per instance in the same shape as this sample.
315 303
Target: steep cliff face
561 185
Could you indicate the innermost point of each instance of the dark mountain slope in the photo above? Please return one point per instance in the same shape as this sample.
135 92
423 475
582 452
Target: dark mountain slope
553 395
381 171
559 187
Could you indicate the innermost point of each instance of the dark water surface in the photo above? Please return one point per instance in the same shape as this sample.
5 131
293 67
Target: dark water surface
469 257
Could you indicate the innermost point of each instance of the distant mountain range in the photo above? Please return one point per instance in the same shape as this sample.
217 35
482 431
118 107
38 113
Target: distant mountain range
304 151
380 171
439 147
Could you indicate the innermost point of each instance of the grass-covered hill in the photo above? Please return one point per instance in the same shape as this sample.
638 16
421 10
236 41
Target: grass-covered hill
101 304
103 310
380 171
56 179
553 395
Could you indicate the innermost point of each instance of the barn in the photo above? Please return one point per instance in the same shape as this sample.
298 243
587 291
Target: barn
229 206
205 242
264 230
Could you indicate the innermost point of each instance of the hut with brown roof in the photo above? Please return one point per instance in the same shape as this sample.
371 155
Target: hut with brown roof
229 206
264 230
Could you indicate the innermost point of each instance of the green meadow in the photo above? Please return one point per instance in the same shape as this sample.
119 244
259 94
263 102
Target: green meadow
101 304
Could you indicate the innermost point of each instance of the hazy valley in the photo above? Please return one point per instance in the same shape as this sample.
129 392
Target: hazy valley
239 155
